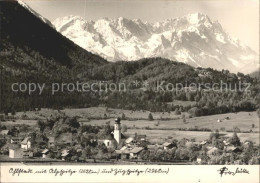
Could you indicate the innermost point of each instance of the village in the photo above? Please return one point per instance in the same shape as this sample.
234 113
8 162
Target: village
64 139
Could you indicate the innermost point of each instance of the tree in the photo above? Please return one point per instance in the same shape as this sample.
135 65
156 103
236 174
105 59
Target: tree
235 140
13 131
123 117
183 118
41 125
258 112
124 128
177 112
150 117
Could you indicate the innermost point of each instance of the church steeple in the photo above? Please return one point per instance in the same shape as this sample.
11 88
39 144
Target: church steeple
117 130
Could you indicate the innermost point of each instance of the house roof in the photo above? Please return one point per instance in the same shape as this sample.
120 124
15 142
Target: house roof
226 142
203 142
166 144
129 140
123 148
11 146
4 132
231 148
17 138
45 151
212 150
24 142
65 153
136 150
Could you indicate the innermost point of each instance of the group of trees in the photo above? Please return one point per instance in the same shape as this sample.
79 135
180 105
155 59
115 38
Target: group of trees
249 154
134 98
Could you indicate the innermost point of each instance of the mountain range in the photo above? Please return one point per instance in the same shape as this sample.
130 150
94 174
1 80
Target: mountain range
193 39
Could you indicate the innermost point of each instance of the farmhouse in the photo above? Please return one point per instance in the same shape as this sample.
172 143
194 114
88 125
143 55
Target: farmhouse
4 132
140 137
108 140
16 140
19 153
134 153
45 153
123 154
65 154
232 149
16 153
167 146
26 143
212 152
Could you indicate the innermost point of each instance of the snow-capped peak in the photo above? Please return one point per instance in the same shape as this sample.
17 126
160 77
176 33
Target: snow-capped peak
193 39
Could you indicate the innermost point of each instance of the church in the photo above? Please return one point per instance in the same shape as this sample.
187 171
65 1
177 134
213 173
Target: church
116 137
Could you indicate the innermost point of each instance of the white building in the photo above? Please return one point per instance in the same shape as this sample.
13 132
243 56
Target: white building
26 143
117 131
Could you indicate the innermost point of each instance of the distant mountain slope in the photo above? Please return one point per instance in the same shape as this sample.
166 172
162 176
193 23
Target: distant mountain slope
32 51
30 35
193 39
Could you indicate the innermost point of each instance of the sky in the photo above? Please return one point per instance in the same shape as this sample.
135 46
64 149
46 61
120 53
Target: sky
240 18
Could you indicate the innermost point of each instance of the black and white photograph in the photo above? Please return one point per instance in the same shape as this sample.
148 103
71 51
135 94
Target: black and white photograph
141 88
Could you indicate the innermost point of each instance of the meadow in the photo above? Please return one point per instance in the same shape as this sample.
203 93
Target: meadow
165 126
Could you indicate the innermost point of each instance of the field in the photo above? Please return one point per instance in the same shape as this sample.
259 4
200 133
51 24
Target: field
163 125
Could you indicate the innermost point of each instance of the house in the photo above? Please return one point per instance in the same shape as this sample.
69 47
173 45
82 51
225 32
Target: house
199 160
108 140
26 143
141 138
123 154
202 159
65 154
51 141
4 132
167 145
27 154
16 140
15 153
45 153
232 149
134 153
212 152
154 146
20 153
226 143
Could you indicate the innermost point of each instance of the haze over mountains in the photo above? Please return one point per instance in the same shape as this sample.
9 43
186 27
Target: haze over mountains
193 39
